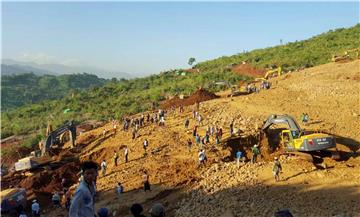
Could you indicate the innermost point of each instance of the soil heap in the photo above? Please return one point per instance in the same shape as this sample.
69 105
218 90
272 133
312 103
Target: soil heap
198 96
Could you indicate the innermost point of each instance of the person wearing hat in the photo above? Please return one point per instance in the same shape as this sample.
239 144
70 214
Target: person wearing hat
103 212
35 208
277 169
136 210
157 210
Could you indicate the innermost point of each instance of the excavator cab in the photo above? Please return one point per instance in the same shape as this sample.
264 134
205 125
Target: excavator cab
291 140
287 139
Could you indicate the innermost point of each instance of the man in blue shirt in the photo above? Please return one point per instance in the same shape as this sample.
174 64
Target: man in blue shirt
238 157
82 205
35 208
197 139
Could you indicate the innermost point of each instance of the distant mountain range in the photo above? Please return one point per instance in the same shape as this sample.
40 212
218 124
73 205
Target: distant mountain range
13 67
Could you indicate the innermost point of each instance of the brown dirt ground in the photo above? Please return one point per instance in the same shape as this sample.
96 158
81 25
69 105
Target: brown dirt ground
328 93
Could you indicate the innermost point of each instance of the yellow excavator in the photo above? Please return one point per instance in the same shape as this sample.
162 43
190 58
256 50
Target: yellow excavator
235 89
278 71
346 56
300 142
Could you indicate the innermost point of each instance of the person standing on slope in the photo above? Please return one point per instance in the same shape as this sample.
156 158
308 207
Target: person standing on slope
103 167
116 157
277 169
146 182
255 151
126 152
146 144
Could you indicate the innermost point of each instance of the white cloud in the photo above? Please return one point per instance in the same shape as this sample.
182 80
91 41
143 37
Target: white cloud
39 58
70 62
42 58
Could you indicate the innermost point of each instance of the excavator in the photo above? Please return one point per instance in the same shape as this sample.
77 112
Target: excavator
54 135
300 142
35 161
235 91
278 71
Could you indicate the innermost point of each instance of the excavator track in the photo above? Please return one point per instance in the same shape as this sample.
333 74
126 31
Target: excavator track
303 155
317 157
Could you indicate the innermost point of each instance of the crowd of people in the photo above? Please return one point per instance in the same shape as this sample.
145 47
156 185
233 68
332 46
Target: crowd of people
81 204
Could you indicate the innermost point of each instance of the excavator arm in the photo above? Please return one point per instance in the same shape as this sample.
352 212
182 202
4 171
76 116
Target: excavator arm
270 72
282 119
50 140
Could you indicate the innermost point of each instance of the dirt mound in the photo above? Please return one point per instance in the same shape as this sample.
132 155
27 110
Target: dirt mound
198 96
69 172
88 125
248 70
50 181
266 144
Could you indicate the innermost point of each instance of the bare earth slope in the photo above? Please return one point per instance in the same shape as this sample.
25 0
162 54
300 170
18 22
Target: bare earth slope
329 93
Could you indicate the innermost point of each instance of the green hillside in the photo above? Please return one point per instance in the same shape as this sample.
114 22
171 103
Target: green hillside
21 89
114 99
300 54
117 98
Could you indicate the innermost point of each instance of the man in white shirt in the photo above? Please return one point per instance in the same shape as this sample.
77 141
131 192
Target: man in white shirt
103 167
126 154
146 144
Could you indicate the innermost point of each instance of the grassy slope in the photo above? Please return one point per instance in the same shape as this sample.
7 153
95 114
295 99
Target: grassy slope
311 52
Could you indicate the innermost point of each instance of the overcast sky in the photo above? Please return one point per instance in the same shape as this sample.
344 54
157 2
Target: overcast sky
146 38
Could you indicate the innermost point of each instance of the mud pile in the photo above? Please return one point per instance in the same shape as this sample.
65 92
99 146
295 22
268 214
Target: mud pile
50 181
198 96
248 70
